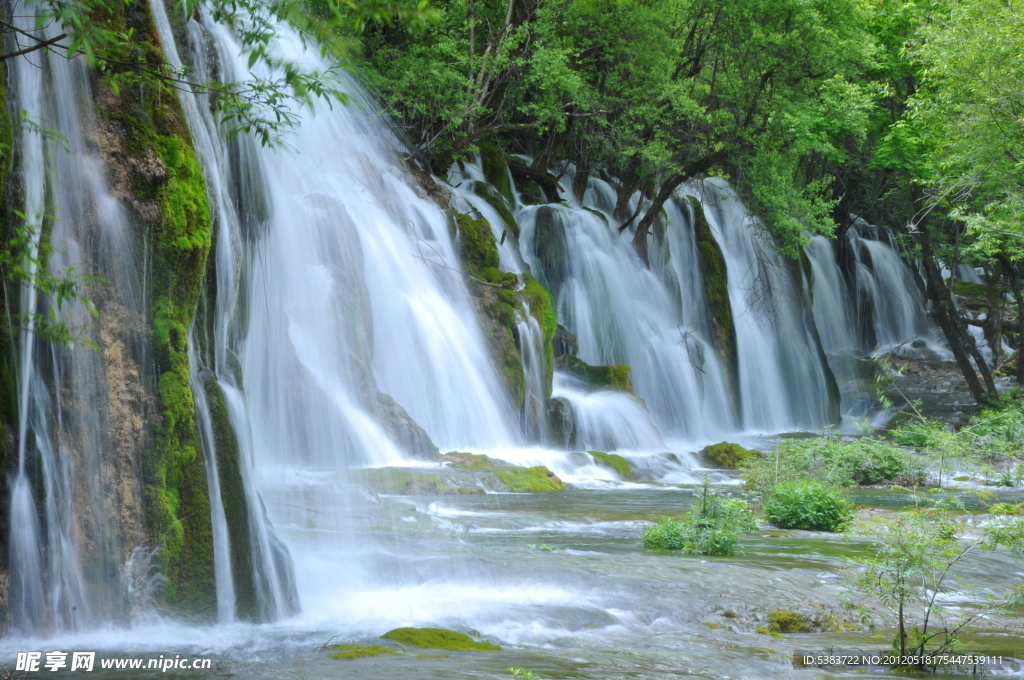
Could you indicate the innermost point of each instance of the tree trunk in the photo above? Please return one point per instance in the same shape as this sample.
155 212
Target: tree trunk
1010 271
996 302
628 184
960 341
698 167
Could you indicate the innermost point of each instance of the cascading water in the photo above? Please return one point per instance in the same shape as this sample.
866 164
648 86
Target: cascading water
81 411
534 409
253 570
784 382
622 313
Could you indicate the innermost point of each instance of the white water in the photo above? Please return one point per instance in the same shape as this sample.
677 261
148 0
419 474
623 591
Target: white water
80 411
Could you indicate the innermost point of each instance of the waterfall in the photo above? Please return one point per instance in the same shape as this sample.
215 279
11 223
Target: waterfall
531 344
81 411
341 324
622 313
784 380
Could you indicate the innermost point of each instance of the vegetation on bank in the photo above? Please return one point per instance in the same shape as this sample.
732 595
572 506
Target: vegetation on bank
712 526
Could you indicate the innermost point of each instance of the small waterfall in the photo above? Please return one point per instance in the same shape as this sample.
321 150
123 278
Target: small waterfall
889 303
784 381
80 411
531 343
606 420
624 314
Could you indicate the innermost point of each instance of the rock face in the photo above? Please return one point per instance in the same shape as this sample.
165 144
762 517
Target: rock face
716 286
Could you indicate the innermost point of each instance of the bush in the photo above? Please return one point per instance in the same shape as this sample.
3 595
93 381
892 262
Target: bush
712 527
835 461
808 504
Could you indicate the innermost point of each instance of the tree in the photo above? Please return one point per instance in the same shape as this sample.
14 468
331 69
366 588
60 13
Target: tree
915 561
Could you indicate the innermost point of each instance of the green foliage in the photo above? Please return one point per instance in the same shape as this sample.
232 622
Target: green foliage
808 504
712 527
841 462
438 638
787 621
915 561
728 456
613 462
346 651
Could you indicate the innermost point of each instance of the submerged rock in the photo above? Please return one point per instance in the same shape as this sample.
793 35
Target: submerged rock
438 638
345 651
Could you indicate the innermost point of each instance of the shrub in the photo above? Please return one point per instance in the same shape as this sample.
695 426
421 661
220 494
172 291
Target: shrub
808 504
835 461
712 527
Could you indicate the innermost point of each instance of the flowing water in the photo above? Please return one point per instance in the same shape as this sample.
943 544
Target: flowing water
338 326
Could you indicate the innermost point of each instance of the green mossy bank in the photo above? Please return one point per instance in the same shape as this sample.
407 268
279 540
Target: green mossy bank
152 149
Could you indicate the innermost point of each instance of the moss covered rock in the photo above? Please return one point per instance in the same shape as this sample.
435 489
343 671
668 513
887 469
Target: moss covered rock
610 377
345 651
613 462
787 621
536 479
495 168
438 638
475 461
728 456
394 482
716 287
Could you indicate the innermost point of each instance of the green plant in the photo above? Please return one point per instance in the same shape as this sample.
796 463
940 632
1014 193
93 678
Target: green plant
712 527
523 673
842 462
914 564
808 504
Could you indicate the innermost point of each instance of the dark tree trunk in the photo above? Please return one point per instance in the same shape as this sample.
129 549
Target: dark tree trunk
579 180
960 341
698 167
1013 283
628 185
544 179
996 302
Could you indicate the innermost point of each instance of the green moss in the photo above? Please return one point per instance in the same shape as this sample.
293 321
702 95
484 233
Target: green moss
499 205
236 508
530 480
716 287
174 471
473 461
763 630
539 300
495 167
787 621
357 651
971 289
477 247
712 625
611 377
613 462
432 656
728 456
404 483
438 638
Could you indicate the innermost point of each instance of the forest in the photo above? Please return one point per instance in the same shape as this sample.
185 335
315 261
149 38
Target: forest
512 338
